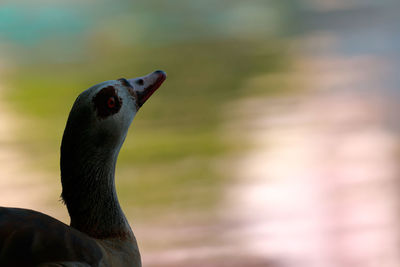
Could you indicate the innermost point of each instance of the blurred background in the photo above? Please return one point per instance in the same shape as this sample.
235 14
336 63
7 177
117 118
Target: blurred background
274 141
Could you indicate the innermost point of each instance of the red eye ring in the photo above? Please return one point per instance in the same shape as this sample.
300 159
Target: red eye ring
111 102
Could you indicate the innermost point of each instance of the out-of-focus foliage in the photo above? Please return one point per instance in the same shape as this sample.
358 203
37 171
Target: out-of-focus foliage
208 49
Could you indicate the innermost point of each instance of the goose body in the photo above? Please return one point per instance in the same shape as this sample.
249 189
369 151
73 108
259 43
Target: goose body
99 233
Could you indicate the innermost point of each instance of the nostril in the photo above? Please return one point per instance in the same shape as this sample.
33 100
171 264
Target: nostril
140 81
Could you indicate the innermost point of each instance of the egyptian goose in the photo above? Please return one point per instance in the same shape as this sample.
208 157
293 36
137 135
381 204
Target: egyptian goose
99 233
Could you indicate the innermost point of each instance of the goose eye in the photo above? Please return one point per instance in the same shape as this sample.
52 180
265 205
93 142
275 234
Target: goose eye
111 102
106 102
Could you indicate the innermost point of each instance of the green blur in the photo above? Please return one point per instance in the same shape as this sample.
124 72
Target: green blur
169 159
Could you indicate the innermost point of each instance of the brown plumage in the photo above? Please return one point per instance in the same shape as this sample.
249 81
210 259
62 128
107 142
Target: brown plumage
28 238
99 233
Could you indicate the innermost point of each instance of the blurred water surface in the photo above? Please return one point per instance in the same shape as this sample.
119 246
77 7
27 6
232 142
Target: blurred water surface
274 141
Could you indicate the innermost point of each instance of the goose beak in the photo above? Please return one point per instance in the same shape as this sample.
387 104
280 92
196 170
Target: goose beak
144 87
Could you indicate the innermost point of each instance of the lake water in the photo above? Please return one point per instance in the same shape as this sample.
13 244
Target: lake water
312 178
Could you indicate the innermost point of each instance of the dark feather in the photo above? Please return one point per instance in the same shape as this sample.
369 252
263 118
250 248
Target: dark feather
29 238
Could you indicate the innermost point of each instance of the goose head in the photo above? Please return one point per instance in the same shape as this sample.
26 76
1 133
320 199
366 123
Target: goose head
103 113
96 129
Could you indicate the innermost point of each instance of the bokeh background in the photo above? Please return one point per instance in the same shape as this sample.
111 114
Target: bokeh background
273 142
